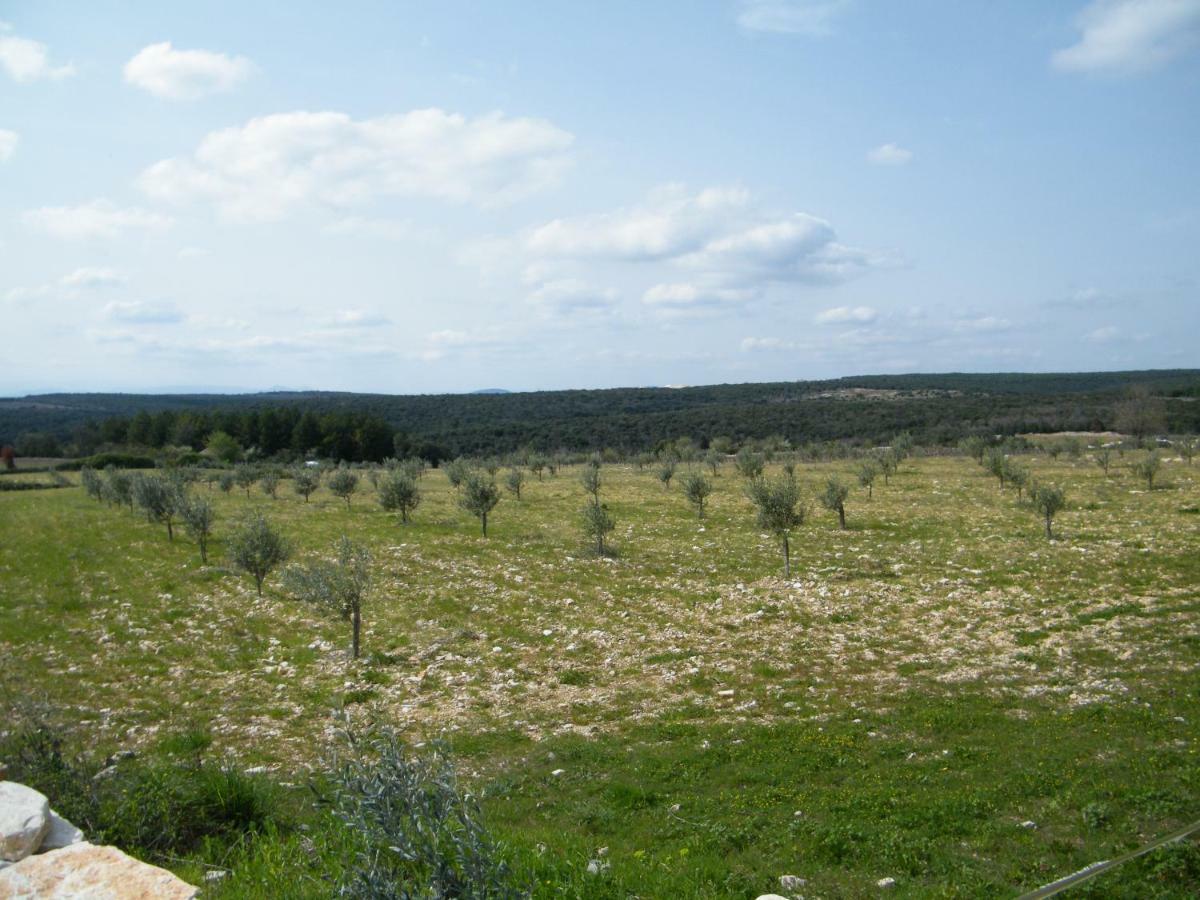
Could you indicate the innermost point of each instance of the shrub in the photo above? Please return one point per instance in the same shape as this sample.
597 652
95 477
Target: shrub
257 549
697 488
398 491
597 523
779 511
343 483
1048 500
479 498
514 482
834 499
198 518
1147 467
339 586
749 464
305 481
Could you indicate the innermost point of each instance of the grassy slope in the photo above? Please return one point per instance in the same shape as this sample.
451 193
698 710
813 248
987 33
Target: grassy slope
929 679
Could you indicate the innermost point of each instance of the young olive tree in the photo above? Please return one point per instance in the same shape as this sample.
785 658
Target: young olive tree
161 499
245 476
305 481
590 479
119 486
456 471
834 499
198 518
1048 500
868 471
996 463
514 481
1147 467
697 488
1103 459
225 482
887 464
269 483
398 492
339 585
666 471
343 483
537 465
1187 449
258 549
779 511
479 498
749 464
1017 475
714 461
89 479
597 522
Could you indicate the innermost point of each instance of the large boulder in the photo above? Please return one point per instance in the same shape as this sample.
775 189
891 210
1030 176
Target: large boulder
24 819
61 833
97 873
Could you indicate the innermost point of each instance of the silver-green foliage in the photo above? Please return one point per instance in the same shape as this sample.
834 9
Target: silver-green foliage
697 488
305 481
479 498
161 498
398 492
258 549
338 585
1048 500
749 464
269 483
597 523
514 481
834 499
1147 467
868 471
779 510
422 835
198 518
343 483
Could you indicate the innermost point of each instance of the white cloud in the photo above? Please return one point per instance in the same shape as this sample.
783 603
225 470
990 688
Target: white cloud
889 155
357 318
752 344
92 278
718 234
669 224
813 18
567 295
1130 36
859 315
100 218
384 229
8 144
27 60
274 164
1103 335
185 74
688 295
142 313
982 324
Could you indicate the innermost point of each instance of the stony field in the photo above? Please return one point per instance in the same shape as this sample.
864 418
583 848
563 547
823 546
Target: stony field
937 695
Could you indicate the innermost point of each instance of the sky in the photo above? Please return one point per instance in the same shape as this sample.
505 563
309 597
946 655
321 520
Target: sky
450 196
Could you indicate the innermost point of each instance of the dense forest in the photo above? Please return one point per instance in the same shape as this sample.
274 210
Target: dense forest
935 409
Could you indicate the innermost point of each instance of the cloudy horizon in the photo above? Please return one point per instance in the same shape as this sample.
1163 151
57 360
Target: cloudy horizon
421 200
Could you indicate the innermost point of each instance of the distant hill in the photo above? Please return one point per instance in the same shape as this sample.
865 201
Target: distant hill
934 408
491 391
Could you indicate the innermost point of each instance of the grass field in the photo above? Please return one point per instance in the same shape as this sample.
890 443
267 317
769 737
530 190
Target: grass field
937 695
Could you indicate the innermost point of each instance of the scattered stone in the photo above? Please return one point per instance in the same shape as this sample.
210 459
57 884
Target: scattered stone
792 883
1029 823
61 833
85 870
770 897
597 866
886 883
558 772
24 819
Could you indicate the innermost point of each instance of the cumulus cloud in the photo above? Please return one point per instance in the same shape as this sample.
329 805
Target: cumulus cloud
185 74
838 315
98 219
719 234
1130 36
89 277
812 18
26 60
1103 335
753 344
138 312
889 155
982 324
357 318
271 165
568 295
8 144
690 296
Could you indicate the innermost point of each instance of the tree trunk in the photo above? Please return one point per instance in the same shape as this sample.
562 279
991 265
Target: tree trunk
170 531
870 491
787 558
1049 536
356 627
842 517
203 552
483 521
258 580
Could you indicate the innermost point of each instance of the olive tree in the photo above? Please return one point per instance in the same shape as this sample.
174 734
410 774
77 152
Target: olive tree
1103 459
305 481
597 523
1147 467
456 471
198 518
996 463
749 464
479 498
161 499
887 464
697 488
343 483
269 483
537 465
1187 449
834 499
514 482
338 585
714 461
398 492
590 479
245 476
868 471
1017 475
257 549
119 486
225 482
1048 500
666 471
779 511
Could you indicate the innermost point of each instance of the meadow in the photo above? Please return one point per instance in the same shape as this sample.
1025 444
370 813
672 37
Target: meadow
937 695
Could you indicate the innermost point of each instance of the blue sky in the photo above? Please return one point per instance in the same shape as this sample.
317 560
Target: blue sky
449 196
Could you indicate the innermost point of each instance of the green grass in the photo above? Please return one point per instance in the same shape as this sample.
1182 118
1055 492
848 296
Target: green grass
996 677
